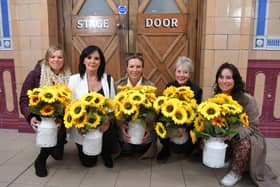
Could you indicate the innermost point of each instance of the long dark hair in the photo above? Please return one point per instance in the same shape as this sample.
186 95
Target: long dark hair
239 85
85 53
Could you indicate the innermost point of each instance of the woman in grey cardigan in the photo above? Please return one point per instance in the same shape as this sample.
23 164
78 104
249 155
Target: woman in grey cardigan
248 147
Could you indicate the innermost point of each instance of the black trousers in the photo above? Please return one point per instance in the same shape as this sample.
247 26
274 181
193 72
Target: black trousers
109 141
57 151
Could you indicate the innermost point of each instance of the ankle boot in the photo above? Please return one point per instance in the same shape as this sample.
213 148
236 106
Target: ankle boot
40 162
108 161
164 154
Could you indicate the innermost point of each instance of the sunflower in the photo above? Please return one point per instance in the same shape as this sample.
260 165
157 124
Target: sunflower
244 119
35 91
48 95
185 92
64 91
99 100
93 120
226 98
118 112
151 97
199 124
218 121
233 109
77 109
68 120
47 110
124 87
179 116
193 136
168 108
137 98
80 122
34 100
190 115
161 130
209 110
110 103
158 102
147 104
135 114
120 97
170 91
127 107
88 99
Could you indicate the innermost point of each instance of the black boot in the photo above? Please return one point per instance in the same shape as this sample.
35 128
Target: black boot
40 162
164 154
108 161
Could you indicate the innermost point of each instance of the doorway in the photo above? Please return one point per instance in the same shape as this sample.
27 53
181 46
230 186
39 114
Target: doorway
162 30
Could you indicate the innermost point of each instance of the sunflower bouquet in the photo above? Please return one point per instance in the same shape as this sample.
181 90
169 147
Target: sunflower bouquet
49 101
175 108
133 103
88 112
219 116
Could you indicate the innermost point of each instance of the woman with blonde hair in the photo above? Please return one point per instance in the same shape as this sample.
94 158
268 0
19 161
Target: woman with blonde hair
48 71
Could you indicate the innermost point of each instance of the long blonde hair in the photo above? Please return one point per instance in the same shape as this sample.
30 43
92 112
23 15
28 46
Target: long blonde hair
48 77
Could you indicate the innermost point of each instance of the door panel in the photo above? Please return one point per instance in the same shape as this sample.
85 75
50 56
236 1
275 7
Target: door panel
162 37
160 31
94 27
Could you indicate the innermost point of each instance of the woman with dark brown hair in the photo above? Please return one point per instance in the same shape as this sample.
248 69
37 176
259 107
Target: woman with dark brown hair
248 147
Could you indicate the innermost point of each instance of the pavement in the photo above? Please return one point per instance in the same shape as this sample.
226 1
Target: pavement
18 151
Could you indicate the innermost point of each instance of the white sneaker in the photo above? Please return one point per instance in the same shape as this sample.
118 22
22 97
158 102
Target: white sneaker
230 179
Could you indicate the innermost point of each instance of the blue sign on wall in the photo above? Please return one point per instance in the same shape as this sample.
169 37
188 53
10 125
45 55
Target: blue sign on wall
122 9
262 39
5 29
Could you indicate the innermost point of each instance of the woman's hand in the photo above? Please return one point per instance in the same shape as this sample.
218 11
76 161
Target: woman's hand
181 132
146 135
104 127
58 122
125 136
34 122
227 138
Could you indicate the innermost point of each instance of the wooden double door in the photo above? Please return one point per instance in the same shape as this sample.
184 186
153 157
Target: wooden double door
162 30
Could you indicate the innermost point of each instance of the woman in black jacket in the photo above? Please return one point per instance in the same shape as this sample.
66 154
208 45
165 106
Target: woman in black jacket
184 68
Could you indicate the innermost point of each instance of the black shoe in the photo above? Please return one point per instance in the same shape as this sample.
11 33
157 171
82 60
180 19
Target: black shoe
40 168
108 161
164 154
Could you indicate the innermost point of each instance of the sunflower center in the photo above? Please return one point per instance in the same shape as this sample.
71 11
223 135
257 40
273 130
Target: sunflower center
77 110
170 108
49 95
69 118
88 98
91 120
161 130
160 102
81 119
136 98
178 115
210 111
128 106
97 100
